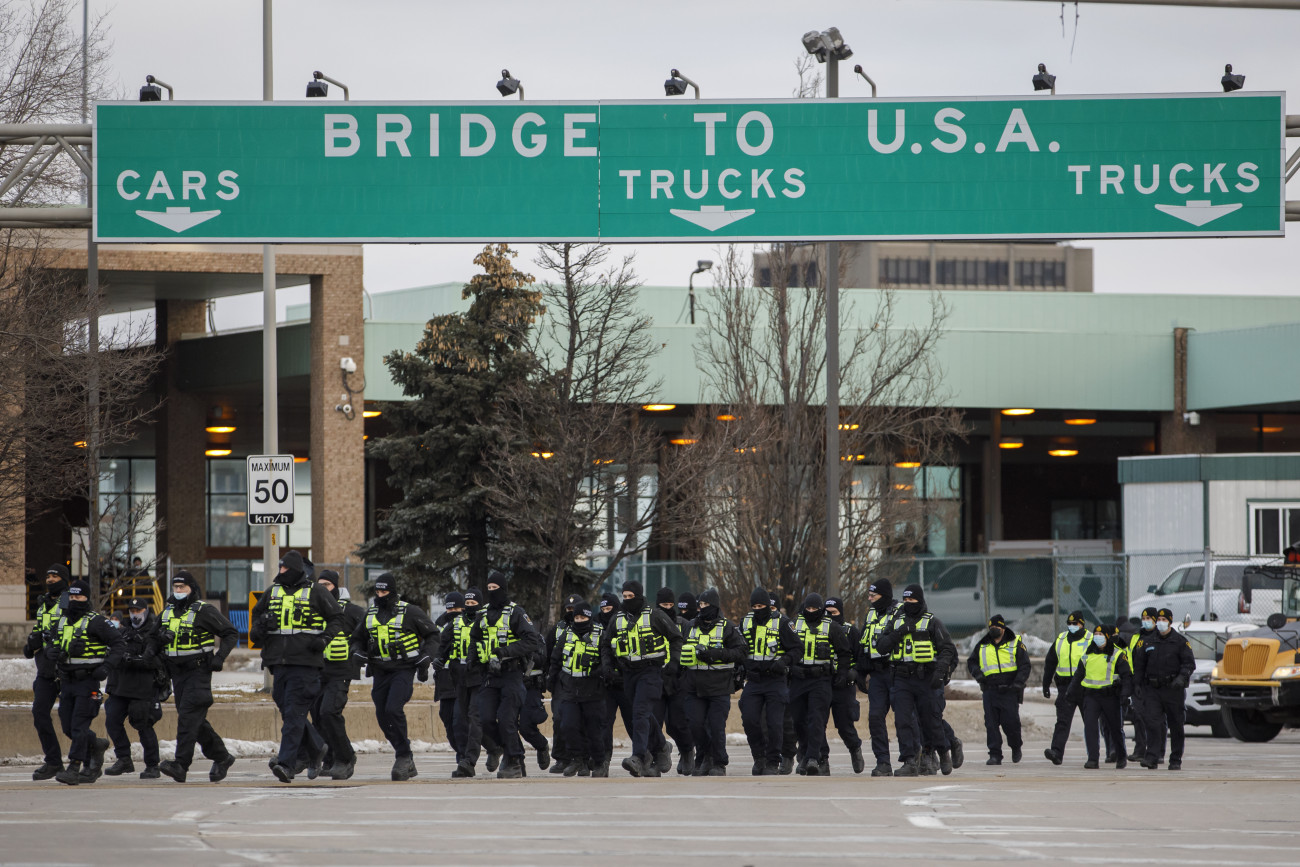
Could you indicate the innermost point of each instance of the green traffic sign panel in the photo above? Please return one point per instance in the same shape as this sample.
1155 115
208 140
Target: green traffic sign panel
784 170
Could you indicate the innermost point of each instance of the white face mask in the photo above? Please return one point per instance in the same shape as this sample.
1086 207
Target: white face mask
1163 625
1148 624
181 595
137 620
1074 628
1099 640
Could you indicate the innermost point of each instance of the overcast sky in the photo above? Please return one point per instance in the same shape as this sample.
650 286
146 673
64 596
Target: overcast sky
583 49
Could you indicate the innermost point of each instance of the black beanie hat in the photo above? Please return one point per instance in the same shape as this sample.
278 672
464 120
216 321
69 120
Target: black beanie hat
760 597
292 561
386 581
914 591
666 594
331 576
184 577
497 577
572 600
610 599
1075 617
835 602
582 608
1150 611
634 587
812 600
60 570
710 597
883 587
687 605
475 595
998 620
454 599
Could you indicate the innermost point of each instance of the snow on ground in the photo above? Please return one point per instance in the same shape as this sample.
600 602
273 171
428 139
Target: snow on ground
17 673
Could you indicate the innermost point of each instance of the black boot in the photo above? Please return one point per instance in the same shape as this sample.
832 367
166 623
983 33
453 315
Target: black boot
47 771
404 769
120 767
703 766
150 772
958 753
882 769
544 756
173 770
859 763
663 760
220 768
512 768
584 769
909 769
632 764
493 759
71 775
602 769
787 765
686 762
945 762
343 770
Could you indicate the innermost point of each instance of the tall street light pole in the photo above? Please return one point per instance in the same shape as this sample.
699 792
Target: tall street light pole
270 361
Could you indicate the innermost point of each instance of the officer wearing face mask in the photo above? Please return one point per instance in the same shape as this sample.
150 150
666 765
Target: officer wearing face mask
711 647
561 755
1000 665
845 709
618 702
873 665
85 647
1062 660
342 666
444 686
1102 683
133 692
397 639
502 641
194 639
822 656
45 688
644 645
672 707
921 657
294 621
578 695
454 655
1146 627
770 646
1164 666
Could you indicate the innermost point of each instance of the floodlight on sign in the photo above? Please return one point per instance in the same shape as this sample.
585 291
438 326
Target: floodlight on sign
1231 82
1043 80
509 85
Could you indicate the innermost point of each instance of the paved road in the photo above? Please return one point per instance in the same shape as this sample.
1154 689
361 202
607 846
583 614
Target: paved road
1233 805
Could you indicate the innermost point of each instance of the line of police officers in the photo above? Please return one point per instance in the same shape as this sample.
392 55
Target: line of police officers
673 665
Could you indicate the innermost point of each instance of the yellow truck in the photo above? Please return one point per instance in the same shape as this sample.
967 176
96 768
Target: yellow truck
1257 682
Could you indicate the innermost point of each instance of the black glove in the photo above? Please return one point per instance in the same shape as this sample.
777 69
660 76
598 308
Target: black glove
840 680
1179 682
439 664
33 644
936 680
709 654
798 672
216 663
422 673
55 653
1005 687
606 675
316 644
100 672
1047 691
672 669
494 665
778 668
861 680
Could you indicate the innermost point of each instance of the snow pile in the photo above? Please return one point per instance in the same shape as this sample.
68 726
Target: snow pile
1037 632
17 673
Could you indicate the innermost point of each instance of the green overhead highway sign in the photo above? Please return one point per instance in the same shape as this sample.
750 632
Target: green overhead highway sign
993 168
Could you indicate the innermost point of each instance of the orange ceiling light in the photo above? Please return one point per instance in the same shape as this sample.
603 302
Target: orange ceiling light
908 465
217 453
727 417
299 459
844 426
658 407
371 413
1011 443
1268 429
1063 453
221 429
1080 421
683 441
1017 412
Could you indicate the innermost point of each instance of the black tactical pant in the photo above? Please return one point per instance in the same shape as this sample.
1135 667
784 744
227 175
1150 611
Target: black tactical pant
44 692
645 687
675 713
532 715
845 712
1101 705
79 702
390 692
327 714
447 713
140 712
295 689
582 726
1002 714
914 707
192 692
1164 707
762 712
618 703
810 708
879 685
500 700
708 717
1065 708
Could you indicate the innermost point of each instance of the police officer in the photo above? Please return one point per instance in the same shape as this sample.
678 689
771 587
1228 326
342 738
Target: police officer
711 647
1146 626
294 621
133 692
770 647
194 639
845 709
644 645
578 695
1000 665
397 640
688 607
444 685
921 656
672 706
1164 665
1102 682
789 734
342 666
873 667
560 753
85 647
822 655
503 641
45 688
618 703
454 653
1062 660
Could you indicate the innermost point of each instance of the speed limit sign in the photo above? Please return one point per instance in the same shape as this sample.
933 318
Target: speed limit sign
270 489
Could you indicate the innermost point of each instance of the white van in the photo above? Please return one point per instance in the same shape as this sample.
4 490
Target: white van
1183 592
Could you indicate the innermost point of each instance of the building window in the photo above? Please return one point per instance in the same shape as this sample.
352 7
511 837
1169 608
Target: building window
904 272
971 272
1040 273
227 511
1273 526
796 276
1085 519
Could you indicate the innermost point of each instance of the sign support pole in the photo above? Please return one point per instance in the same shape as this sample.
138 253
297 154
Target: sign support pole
270 362
832 385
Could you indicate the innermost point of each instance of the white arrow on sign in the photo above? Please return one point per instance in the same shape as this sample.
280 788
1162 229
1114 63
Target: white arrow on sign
178 219
1199 212
712 217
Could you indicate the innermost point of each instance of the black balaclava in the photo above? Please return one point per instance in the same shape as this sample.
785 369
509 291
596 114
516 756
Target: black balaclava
886 591
333 577
761 597
666 599
812 600
386 581
774 604
636 604
838 604
473 602
59 586
76 610
913 600
294 569
710 608
500 597
570 605
184 577
613 600
687 606
584 628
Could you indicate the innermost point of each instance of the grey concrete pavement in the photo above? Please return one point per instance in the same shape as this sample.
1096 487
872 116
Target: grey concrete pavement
1233 805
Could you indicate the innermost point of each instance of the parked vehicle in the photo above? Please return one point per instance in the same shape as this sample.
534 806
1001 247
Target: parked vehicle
1208 639
959 596
1183 592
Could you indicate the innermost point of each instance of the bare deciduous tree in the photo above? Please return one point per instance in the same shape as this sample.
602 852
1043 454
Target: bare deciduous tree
764 362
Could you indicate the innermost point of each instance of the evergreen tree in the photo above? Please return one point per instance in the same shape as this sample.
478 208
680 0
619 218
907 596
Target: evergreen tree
446 527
